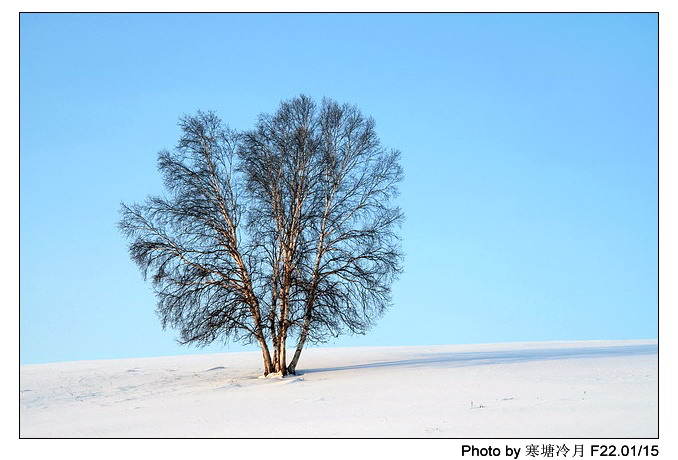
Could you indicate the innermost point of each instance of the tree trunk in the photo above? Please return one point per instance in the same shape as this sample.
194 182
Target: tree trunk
292 368
275 355
283 360
281 363
268 364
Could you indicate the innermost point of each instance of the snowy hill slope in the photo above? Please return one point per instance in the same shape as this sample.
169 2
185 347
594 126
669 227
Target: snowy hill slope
539 389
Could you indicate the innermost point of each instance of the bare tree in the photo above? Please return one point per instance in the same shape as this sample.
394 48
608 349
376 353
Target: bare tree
286 230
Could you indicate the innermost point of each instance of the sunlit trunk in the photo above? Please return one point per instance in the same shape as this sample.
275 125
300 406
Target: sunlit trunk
268 364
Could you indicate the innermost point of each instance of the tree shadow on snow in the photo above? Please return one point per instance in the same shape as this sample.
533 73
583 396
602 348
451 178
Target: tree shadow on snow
478 358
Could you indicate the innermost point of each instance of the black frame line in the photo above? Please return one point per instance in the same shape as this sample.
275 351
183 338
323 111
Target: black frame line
360 12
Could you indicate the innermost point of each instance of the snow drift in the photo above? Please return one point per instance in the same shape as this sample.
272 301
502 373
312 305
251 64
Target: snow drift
539 389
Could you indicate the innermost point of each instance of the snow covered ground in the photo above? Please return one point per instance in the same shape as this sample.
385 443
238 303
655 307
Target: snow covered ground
538 389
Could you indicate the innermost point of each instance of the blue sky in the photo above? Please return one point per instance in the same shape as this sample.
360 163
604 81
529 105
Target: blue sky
529 147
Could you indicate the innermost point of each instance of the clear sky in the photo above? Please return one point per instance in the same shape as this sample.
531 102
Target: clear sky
529 147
